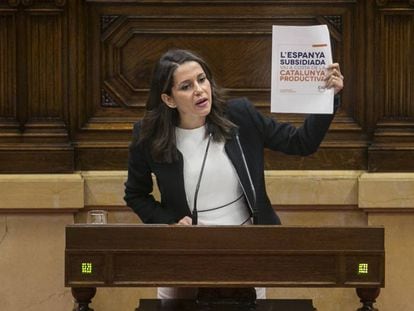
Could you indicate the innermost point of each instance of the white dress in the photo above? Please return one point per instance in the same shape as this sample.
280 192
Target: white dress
220 200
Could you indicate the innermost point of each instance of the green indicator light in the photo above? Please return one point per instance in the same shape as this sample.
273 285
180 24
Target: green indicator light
86 268
363 268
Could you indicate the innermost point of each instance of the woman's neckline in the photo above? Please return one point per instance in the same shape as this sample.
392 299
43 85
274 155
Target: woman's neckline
196 129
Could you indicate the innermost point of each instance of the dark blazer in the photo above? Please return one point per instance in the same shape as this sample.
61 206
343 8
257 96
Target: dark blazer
255 133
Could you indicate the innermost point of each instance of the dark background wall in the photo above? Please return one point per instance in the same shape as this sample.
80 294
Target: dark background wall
74 75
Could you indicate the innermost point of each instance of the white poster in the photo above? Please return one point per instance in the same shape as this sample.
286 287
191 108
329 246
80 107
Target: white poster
300 56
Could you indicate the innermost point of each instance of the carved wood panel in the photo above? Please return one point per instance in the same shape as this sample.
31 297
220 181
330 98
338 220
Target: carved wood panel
8 72
74 75
234 37
392 146
33 104
8 64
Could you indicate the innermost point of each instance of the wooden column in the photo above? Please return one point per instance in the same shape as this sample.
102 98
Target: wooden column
392 148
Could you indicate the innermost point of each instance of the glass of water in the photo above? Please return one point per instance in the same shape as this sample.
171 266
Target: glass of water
97 217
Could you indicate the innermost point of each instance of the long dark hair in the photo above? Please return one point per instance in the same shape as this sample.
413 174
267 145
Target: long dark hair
159 122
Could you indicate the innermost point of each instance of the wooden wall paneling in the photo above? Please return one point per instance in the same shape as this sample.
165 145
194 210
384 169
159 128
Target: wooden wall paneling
124 40
393 140
41 143
76 63
100 140
363 52
8 77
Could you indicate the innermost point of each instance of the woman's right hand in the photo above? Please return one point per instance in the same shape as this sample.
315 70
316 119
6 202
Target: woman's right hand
186 221
335 78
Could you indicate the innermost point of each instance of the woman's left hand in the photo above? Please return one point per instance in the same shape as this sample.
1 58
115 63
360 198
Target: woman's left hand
334 78
186 221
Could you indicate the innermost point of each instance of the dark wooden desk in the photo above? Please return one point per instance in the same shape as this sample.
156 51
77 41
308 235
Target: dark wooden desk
224 256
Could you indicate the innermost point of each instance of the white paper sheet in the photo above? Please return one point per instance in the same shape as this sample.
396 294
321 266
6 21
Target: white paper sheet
300 56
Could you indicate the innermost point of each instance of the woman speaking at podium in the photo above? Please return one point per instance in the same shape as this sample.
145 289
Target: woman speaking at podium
207 154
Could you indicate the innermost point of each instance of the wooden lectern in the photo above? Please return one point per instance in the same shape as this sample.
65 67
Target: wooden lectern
223 256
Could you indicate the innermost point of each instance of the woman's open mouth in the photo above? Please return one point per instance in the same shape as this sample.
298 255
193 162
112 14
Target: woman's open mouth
202 102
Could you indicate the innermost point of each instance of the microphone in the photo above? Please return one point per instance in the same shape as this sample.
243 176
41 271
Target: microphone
251 204
211 129
194 215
